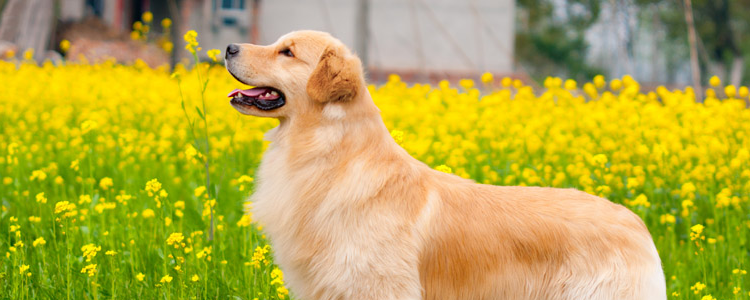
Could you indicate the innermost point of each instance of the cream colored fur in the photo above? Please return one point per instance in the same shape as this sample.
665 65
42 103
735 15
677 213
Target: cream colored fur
351 215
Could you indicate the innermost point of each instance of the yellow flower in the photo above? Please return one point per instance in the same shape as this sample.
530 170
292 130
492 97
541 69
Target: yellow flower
40 198
570 84
106 183
213 53
743 92
487 78
192 42
175 239
698 228
506 82
38 175
599 160
199 191
7 180
166 279
166 23
599 81
714 81
88 126
730 91
259 256
89 269
282 292
74 165
697 287
90 250
444 168
147 17
277 276
245 221
153 186
641 200
147 213
110 253
28 54
64 46
466 83
398 136
195 278
140 277
23 269
39 241
615 84
695 232
83 199
64 207
667 218
167 46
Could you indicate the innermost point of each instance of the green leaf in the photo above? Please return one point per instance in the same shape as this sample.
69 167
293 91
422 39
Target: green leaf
200 113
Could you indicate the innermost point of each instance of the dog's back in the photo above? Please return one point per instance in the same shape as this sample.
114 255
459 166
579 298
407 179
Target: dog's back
491 242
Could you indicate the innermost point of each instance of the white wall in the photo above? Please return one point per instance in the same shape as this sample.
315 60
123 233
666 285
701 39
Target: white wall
415 35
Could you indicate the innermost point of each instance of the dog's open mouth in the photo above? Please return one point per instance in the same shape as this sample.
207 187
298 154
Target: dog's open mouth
265 98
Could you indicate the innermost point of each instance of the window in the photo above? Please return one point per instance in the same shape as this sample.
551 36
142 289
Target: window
232 4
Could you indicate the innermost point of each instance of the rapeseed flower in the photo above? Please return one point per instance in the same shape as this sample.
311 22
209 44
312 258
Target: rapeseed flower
166 279
89 269
90 250
213 54
192 43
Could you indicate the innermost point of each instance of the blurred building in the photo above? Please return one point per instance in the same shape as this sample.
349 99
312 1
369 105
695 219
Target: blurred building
420 39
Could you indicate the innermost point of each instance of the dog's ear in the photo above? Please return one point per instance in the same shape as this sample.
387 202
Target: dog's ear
336 78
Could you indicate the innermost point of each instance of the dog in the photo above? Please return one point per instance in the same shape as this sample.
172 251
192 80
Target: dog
351 215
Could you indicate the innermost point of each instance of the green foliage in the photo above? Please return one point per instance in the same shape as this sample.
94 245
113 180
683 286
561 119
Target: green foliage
548 44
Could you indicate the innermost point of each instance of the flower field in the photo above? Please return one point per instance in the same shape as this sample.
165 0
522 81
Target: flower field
104 192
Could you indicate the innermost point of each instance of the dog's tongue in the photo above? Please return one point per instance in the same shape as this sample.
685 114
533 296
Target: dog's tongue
254 92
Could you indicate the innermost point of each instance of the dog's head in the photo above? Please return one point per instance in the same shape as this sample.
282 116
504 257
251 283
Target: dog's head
300 73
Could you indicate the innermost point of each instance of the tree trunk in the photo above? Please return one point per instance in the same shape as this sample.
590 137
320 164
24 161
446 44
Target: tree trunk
694 66
362 24
735 75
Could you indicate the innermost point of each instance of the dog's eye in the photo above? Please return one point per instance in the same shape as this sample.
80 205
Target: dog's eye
287 52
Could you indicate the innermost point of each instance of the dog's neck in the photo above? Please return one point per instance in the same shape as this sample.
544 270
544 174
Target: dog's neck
335 131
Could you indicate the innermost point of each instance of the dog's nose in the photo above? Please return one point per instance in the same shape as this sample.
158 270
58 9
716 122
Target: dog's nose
232 50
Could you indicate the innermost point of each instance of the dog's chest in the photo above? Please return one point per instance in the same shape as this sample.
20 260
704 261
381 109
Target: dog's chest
315 223
274 191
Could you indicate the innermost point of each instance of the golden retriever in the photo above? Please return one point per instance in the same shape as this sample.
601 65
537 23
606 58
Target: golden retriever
351 215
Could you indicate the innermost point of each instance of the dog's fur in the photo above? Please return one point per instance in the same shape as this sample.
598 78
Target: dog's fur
351 215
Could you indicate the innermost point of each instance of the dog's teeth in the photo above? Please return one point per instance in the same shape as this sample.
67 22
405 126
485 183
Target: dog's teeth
274 93
267 95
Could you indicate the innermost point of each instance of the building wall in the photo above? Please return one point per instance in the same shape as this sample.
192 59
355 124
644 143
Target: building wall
413 35
443 37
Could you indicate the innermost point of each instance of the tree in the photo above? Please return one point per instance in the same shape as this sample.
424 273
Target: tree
721 27
550 37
